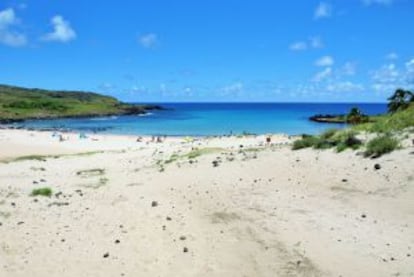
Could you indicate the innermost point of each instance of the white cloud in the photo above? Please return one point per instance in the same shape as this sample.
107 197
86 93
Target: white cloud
349 68
299 46
313 42
388 77
345 86
323 10
322 75
148 40
8 36
234 88
324 61
379 2
386 74
392 56
316 42
62 31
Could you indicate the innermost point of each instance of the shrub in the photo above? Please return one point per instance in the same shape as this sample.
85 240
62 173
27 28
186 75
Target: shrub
381 145
305 142
42 192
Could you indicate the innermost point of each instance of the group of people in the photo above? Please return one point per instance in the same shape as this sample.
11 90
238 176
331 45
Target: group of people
157 139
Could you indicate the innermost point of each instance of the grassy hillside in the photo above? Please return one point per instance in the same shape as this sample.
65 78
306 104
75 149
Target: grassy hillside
17 103
389 122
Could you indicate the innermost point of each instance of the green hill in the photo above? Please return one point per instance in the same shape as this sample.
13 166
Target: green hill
17 103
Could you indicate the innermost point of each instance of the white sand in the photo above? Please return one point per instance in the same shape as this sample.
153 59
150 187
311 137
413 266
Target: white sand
269 212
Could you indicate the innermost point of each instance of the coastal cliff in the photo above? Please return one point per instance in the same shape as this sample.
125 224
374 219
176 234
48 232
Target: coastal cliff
18 104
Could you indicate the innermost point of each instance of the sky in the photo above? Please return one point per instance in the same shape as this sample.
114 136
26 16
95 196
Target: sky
212 50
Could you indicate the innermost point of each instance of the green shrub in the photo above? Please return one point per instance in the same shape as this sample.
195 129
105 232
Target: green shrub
42 192
381 145
330 138
305 142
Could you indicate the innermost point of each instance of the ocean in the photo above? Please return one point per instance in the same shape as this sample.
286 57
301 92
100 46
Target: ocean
207 119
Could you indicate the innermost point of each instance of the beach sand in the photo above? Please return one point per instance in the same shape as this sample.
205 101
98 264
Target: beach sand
233 207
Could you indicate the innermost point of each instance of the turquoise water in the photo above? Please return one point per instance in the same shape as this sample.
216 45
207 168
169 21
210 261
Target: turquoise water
198 119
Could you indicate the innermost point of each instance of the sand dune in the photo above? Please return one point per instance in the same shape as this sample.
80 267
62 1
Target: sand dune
232 207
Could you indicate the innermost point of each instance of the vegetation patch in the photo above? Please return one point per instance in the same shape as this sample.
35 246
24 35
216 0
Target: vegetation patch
43 158
341 140
381 145
42 192
17 103
91 172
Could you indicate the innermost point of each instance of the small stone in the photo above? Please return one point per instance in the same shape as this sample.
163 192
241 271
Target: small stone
363 215
377 166
183 238
344 180
20 222
117 241
215 163
154 204
185 249
106 255
168 218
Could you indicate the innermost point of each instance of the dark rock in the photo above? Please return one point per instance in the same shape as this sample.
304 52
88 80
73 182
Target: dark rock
363 215
154 204
185 249
106 255
20 222
117 241
215 163
377 166
168 218
344 180
183 238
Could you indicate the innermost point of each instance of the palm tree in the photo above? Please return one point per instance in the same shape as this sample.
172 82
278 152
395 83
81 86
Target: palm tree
400 100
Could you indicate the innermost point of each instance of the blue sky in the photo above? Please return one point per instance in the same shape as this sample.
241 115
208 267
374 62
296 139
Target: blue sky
216 50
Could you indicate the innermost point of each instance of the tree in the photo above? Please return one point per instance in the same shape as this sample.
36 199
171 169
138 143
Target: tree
355 116
400 100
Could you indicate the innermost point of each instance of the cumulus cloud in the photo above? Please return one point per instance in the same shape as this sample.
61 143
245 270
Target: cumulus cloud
313 42
62 31
349 68
324 61
345 86
322 75
323 10
316 42
148 40
8 36
234 88
392 56
389 77
299 46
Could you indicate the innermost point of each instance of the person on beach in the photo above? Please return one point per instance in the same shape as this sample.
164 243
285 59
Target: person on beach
268 140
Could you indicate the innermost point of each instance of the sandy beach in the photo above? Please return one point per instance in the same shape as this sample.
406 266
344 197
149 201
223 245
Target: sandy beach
229 206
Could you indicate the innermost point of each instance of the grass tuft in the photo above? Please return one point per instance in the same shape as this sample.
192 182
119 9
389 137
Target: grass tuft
381 145
42 192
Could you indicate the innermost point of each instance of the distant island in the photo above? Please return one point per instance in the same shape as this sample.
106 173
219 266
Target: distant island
355 116
19 104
